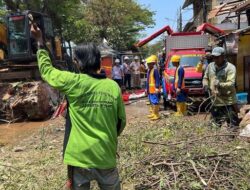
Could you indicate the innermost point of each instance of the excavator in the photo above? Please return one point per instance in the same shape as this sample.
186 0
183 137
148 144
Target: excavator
23 94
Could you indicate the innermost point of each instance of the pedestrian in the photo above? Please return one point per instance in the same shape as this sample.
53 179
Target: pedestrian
153 88
142 69
219 81
135 67
117 72
96 116
127 73
179 86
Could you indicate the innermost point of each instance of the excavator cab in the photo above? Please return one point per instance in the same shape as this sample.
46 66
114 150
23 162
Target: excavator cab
21 45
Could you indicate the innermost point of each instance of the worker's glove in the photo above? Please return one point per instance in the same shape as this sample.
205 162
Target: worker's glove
157 91
178 91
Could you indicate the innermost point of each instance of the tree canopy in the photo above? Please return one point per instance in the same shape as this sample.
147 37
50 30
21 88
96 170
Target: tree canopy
117 21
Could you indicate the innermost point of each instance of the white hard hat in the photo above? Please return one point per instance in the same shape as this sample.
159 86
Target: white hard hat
136 57
117 60
126 58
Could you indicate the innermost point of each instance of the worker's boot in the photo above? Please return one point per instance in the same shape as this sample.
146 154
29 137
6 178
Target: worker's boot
178 113
147 102
156 113
183 108
151 112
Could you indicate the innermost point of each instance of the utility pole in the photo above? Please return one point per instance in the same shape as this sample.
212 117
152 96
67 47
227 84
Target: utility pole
179 20
204 5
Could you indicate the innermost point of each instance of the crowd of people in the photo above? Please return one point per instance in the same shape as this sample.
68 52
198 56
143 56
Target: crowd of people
129 73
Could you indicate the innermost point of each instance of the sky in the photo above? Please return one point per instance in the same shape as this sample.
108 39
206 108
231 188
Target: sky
165 13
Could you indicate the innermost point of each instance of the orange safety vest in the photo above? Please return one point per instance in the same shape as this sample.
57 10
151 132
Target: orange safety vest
151 82
177 79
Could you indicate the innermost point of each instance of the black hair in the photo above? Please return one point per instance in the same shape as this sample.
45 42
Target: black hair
88 57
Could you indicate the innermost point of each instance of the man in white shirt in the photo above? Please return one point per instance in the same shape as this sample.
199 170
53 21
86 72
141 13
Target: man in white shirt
135 67
117 72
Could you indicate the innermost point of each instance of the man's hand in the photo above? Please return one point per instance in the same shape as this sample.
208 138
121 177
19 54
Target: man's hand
178 91
216 83
206 88
36 33
157 90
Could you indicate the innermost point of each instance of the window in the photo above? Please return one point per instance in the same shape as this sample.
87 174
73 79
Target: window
188 61
17 35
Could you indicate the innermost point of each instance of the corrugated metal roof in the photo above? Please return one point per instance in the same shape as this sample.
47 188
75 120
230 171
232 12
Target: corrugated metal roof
242 6
226 8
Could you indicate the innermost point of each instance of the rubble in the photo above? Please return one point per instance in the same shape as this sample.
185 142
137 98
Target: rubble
27 101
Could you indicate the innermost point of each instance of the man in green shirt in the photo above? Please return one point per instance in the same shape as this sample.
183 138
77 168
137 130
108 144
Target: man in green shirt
97 116
219 79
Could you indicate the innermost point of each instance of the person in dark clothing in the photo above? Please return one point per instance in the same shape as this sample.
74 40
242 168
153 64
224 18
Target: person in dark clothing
127 73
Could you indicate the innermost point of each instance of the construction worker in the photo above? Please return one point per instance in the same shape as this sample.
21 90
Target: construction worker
153 88
179 86
219 81
96 113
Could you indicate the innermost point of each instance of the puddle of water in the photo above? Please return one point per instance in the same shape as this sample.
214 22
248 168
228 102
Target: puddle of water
10 133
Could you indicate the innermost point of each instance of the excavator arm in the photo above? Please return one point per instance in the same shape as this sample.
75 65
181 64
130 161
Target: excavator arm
154 35
212 30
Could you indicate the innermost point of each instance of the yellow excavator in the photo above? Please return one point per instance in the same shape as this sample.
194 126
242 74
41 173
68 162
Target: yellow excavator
23 95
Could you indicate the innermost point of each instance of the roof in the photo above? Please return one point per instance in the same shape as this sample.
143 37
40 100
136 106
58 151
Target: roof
242 6
106 50
227 8
187 3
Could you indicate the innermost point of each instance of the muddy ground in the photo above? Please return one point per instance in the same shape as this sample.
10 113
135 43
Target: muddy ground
31 154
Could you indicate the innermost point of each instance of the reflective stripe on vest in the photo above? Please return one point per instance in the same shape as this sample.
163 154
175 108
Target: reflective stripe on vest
177 79
151 82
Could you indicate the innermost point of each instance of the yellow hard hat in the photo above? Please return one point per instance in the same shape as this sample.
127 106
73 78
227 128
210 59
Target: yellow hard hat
175 58
152 59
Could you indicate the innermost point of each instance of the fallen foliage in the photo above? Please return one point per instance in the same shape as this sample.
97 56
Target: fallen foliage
183 153
173 153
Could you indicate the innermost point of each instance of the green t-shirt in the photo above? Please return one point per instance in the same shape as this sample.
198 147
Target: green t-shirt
95 109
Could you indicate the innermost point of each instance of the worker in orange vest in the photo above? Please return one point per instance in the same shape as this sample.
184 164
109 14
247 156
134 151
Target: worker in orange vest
179 86
153 88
